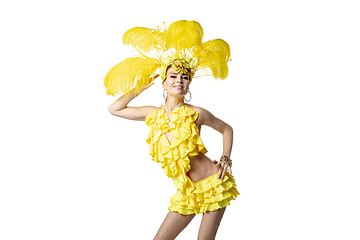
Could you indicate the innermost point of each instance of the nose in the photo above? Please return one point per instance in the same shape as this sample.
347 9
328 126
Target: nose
179 79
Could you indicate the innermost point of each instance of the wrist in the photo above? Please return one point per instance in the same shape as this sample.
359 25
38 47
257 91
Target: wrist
227 159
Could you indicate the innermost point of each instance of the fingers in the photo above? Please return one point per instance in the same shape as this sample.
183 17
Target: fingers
220 172
224 170
150 81
224 167
149 85
153 77
146 86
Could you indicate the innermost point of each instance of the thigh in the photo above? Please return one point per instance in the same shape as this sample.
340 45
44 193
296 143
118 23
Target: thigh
210 223
173 224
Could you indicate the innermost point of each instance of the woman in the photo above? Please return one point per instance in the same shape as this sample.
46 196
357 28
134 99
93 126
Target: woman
203 186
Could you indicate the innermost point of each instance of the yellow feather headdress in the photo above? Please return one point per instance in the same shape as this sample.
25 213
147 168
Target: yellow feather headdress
180 46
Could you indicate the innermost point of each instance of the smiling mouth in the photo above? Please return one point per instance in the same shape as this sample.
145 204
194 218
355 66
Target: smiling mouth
178 87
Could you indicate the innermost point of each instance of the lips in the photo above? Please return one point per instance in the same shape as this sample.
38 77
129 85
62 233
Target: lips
178 87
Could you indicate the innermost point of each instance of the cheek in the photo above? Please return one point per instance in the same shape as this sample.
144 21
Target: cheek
167 84
187 85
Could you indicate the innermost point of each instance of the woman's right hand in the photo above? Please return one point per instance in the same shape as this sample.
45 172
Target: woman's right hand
120 109
149 83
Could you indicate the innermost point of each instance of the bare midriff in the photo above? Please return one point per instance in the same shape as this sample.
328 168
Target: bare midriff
201 167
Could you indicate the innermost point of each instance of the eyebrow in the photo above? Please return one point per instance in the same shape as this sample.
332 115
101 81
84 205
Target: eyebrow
176 73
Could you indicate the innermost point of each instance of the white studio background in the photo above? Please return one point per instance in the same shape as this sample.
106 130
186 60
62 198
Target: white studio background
70 170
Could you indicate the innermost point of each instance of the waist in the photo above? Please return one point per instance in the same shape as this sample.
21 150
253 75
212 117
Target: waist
201 167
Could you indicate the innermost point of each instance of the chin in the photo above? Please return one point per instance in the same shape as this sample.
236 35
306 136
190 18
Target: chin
178 93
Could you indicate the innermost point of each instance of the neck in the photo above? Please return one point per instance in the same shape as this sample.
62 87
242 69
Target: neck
173 103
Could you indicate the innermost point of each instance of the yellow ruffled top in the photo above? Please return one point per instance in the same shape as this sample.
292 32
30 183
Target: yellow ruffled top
206 195
186 143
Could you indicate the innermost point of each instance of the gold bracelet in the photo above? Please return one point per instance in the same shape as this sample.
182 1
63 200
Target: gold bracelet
226 159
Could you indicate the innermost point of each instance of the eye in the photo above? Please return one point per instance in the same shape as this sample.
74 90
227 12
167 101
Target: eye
173 76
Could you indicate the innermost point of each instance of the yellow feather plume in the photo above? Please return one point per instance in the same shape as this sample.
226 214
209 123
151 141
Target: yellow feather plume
182 40
183 35
144 39
133 73
213 55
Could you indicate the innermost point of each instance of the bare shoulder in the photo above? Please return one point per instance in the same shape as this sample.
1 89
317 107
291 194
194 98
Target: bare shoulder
150 109
197 108
203 114
207 118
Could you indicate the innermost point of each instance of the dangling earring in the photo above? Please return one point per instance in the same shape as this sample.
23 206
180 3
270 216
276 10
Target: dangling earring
190 97
164 94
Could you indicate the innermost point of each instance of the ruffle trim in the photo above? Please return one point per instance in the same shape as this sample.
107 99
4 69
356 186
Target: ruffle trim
210 194
186 143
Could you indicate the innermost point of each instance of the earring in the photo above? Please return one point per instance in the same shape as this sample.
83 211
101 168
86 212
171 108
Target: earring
164 94
190 97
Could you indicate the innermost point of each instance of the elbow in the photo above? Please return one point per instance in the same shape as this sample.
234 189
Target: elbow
229 130
111 110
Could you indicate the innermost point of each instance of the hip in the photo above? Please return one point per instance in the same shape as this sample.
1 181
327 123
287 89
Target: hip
201 168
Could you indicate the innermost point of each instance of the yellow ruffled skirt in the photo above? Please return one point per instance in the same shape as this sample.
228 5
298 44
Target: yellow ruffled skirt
210 194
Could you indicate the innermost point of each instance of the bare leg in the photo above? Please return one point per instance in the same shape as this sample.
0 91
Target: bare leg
210 223
173 224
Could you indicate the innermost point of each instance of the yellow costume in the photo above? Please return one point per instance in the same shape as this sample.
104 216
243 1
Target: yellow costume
180 46
206 195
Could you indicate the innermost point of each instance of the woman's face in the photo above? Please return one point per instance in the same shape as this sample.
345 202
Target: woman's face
176 83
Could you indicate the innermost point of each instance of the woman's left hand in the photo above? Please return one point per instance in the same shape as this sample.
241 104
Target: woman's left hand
223 168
